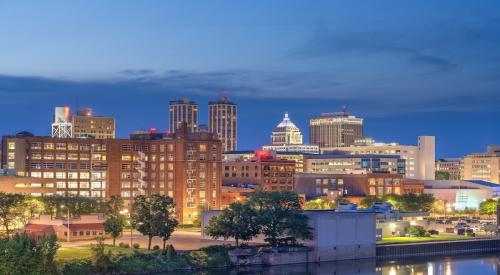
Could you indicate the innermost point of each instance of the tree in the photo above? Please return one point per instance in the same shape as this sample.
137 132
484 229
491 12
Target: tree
369 200
280 216
415 231
414 202
153 216
10 210
238 221
114 226
488 207
442 175
114 205
22 254
393 199
318 204
77 205
199 214
101 259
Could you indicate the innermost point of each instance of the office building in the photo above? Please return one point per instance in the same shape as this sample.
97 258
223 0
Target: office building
183 110
185 166
339 129
85 125
419 159
223 121
355 164
482 166
263 171
34 187
453 167
287 137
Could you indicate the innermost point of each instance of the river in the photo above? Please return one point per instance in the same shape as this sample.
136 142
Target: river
457 265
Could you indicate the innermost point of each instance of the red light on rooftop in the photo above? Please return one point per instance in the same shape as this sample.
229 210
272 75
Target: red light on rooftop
262 154
153 130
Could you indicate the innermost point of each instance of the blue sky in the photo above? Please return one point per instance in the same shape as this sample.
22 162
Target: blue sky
408 67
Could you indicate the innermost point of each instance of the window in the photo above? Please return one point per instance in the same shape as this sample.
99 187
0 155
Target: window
73 146
36 145
73 184
96 185
48 165
60 175
12 145
72 156
48 156
48 175
61 184
126 157
61 156
126 184
36 165
11 165
61 146
48 146
126 194
85 193
72 175
11 155
36 156
84 185
84 175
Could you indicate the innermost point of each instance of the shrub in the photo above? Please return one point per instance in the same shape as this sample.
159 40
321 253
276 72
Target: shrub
156 247
416 231
211 256
126 245
170 252
101 259
122 245
136 246
78 267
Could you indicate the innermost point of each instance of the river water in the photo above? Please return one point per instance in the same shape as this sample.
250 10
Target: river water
461 265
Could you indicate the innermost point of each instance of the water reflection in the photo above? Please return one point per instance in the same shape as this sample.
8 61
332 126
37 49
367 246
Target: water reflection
476 265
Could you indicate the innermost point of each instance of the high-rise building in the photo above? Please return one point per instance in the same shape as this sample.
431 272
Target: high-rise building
482 166
287 137
185 166
223 121
339 129
183 110
85 125
419 158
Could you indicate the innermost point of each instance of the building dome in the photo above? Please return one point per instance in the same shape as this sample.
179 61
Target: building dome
286 132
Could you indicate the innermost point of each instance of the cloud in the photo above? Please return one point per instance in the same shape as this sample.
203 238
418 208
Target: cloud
140 72
328 43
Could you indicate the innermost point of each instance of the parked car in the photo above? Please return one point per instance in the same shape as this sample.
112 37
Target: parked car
461 225
476 228
439 222
447 222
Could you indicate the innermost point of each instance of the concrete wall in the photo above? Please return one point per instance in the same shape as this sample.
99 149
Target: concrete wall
337 235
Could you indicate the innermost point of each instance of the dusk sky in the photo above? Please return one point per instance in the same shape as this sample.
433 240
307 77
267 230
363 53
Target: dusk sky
408 68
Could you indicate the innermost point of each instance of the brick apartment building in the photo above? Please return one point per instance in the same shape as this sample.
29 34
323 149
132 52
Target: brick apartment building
185 166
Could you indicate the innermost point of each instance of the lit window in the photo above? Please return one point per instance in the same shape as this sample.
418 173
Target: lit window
12 145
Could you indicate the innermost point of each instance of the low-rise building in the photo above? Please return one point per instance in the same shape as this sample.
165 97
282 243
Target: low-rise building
355 164
84 227
453 166
483 166
314 186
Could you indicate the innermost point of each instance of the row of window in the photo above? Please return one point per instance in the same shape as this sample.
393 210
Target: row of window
67 146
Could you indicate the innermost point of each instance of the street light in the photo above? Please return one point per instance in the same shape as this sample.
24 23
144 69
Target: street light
124 212
67 233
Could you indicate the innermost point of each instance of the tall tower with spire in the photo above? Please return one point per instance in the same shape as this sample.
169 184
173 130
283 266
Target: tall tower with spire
286 133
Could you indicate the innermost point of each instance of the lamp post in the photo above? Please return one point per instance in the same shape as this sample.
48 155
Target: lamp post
67 233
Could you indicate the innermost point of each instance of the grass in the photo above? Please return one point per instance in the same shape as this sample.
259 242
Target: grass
433 238
84 252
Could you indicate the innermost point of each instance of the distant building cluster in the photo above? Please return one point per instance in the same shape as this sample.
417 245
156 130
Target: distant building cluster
199 165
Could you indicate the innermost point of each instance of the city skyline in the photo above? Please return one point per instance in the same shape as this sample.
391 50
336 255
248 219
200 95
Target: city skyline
380 60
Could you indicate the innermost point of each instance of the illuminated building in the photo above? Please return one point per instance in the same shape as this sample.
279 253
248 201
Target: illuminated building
452 166
61 124
263 171
482 166
419 159
85 125
339 129
183 110
185 166
222 120
287 137
354 164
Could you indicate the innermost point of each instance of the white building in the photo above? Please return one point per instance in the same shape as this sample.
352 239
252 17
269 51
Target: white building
61 125
287 137
420 158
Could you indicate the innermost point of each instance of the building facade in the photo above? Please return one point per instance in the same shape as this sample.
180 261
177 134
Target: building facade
482 166
183 110
287 137
335 129
223 121
453 166
34 187
419 159
355 164
261 172
185 166
85 124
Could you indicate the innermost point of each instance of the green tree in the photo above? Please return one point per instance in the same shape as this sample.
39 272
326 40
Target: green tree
339 201
10 210
280 216
393 199
318 204
414 202
114 226
77 205
101 259
22 254
488 207
153 216
415 230
238 221
199 214
114 205
369 200
442 175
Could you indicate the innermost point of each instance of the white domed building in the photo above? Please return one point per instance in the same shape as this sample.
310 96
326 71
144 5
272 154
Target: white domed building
287 137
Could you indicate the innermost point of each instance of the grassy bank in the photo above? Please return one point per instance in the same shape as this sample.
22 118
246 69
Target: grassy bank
84 252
